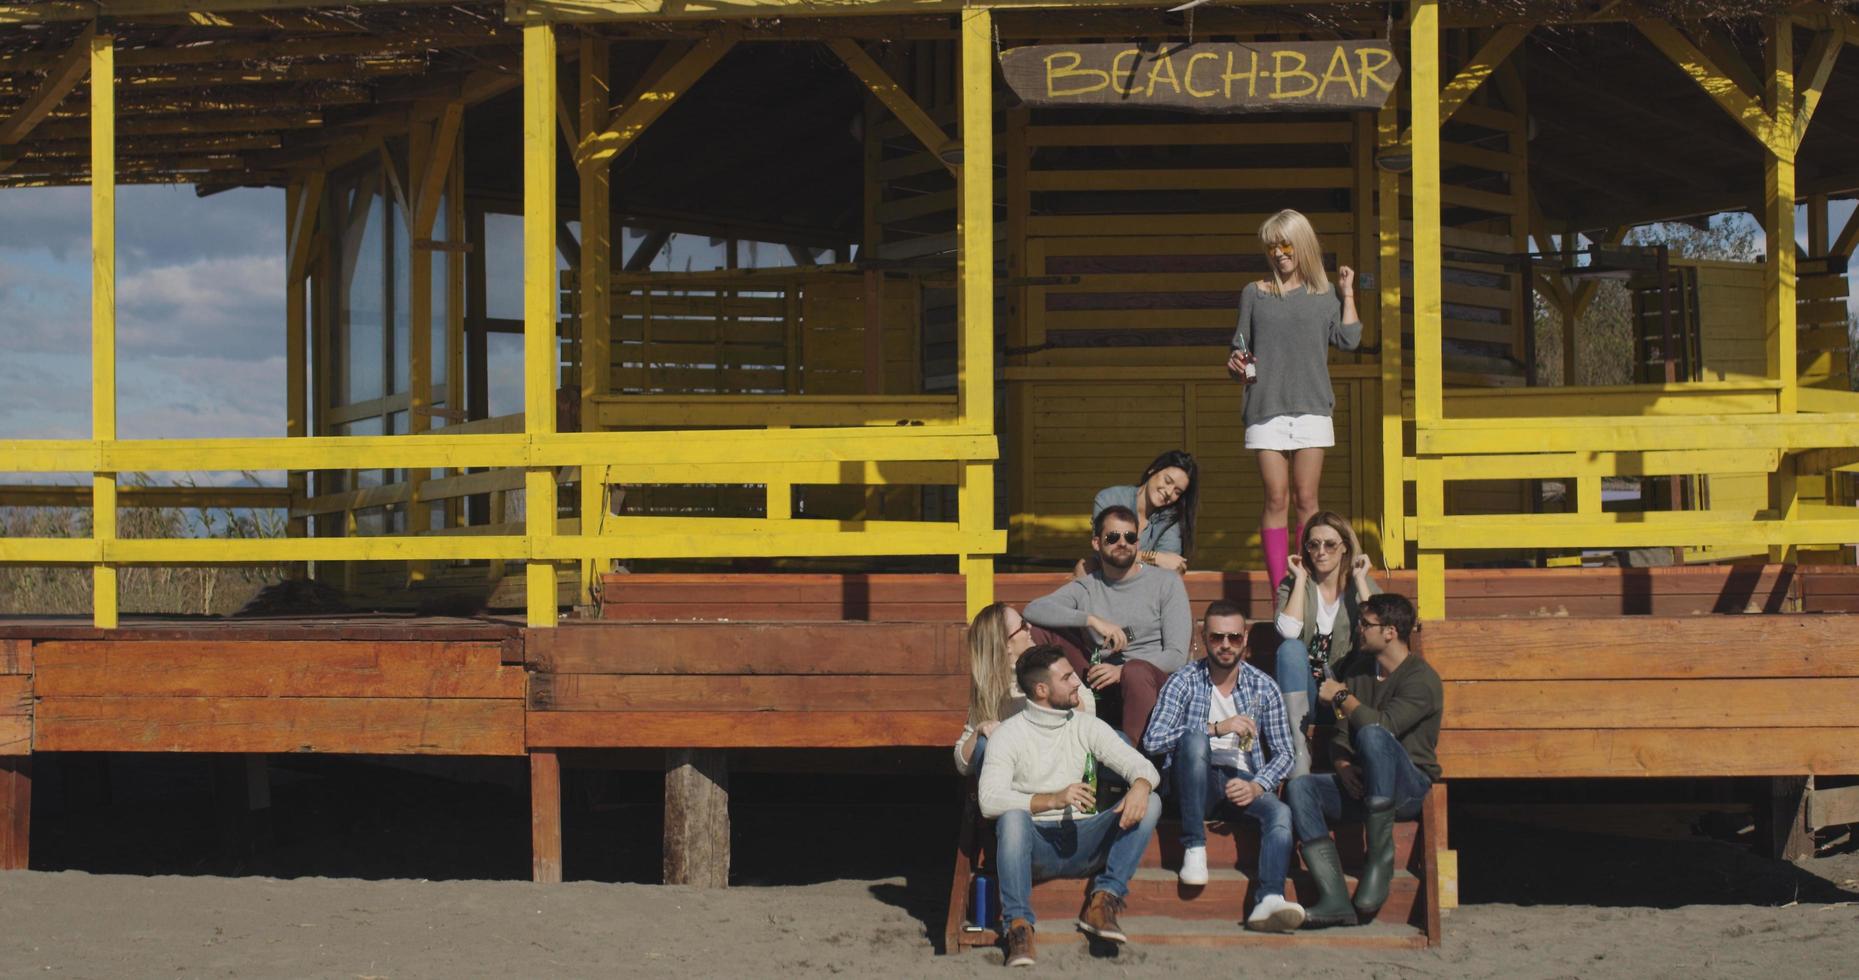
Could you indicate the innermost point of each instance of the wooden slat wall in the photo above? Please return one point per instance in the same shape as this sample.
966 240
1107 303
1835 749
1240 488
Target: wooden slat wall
200 695
747 685
1084 436
16 664
1687 696
799 335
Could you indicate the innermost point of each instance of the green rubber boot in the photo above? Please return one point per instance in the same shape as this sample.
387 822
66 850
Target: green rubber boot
1378 870
1332 907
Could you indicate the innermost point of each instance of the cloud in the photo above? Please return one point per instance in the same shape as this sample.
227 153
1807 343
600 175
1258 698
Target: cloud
232 307
151 222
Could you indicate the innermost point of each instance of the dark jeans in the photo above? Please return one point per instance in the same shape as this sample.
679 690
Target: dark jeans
1388 775
1200 793
1136 693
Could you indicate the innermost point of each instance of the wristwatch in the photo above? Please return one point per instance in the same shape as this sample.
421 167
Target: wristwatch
1337 701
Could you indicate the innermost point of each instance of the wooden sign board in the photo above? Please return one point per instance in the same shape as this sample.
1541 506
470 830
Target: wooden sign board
1205 77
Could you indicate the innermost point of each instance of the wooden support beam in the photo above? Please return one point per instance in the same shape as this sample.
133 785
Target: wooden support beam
647 250
1472 77
897 100
1717 43
101 52
1393 440
1848 238
596 290
15 812
1429 395
1811 80
975 290
539 289
1742 104
59 80
1783 833
303 204
545 816
697 817
664 90
437 166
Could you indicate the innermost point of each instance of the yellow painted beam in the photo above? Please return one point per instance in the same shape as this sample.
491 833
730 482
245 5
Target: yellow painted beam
1393 441
1474 74
79 495
600 147
539 331
100 52
495 451
302 203
1779 224
975 294
1634 530
1816 70
633 537
1556 466
1627 434
1428 326
60 79
699 411
594 105
897 100
1743 106
1429 509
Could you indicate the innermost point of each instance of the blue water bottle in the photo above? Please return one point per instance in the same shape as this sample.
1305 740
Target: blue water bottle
981 903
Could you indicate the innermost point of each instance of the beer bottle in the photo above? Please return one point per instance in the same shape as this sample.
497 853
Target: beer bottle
1090 779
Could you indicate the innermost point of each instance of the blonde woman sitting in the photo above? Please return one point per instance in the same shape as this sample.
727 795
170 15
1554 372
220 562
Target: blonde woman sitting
996 639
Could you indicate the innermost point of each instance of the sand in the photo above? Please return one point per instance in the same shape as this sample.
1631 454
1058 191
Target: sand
71 924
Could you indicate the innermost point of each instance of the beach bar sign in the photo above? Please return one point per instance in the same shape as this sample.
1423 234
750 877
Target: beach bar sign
1205 77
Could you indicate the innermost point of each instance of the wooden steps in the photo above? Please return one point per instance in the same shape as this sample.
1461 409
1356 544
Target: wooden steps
1160 910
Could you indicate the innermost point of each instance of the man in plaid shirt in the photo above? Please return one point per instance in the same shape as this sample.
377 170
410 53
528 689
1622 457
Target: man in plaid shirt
1209 722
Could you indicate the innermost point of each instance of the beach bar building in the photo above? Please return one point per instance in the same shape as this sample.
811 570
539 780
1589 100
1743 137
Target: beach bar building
742 349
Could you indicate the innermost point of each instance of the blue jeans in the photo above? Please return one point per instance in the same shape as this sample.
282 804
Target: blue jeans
1200 792
1025 852
1388 776
1292 672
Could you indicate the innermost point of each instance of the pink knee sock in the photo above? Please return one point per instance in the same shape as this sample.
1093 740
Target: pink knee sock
1274 539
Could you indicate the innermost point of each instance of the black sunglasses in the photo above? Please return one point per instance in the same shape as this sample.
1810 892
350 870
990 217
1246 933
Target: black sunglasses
1233 637
1129 537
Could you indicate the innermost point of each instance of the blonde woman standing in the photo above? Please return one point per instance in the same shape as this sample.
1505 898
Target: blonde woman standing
1286 324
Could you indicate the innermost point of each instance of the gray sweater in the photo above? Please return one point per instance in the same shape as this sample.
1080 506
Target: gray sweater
1288 335
1150 604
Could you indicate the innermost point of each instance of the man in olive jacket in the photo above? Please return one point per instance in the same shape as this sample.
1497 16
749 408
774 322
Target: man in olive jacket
1388 704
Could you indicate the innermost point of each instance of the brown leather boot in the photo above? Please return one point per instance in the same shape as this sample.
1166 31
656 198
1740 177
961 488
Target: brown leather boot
1099 917
1020 943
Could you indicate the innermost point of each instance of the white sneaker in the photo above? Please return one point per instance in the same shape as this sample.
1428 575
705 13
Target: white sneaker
1194 866
1274 914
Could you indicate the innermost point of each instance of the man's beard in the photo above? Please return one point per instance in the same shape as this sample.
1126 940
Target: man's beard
1110 559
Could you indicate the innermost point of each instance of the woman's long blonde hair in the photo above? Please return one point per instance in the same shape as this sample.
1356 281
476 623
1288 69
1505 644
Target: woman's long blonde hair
987 662
1291 226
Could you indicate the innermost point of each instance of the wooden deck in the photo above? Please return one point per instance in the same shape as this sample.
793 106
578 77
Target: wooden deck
1681 672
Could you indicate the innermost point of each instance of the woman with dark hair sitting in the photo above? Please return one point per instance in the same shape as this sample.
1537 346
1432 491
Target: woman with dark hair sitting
1164 501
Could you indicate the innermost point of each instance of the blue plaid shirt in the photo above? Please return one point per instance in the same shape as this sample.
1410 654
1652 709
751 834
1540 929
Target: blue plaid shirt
1181 712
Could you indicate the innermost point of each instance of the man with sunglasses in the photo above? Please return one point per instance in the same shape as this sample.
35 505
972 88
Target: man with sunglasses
1388 704
1225 741
1125 627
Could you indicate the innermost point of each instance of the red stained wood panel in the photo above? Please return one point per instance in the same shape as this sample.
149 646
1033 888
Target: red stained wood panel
727 692
743 729
304 668
383 726
748 648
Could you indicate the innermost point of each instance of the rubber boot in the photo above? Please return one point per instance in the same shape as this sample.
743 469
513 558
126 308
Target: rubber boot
1277 548
1332 907
1297 708
1378 870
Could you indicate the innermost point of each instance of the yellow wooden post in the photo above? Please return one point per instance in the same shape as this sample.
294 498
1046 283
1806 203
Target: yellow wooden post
1428 353
420 149
103 315
596 282
975 290
1778 190
1393 453
539 343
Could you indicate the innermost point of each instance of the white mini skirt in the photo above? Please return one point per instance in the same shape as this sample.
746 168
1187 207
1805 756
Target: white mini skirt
1286 433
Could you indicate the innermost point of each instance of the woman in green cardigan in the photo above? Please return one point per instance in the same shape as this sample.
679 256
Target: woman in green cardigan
1318 603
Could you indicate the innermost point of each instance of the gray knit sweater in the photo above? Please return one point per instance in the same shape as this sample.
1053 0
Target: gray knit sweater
1288 335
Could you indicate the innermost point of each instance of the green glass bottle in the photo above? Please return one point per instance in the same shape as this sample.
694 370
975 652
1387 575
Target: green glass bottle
1090 779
